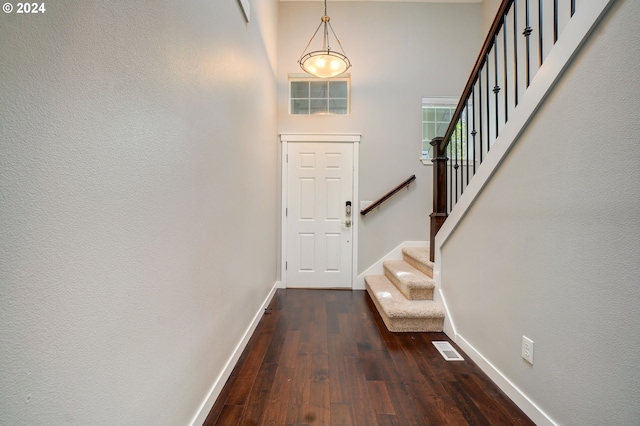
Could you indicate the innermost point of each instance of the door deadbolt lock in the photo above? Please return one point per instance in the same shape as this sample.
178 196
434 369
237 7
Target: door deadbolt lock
347 209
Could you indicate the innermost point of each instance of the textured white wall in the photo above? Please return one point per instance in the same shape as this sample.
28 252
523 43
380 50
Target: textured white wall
550 249
400 52
137 138
489 11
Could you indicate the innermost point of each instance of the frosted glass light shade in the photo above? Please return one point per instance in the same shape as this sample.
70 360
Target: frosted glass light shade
324 63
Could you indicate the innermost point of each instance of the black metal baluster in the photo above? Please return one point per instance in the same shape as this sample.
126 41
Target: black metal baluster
555 21
573 7
450 180
461 156
460 139
496 88
466 134
480 110
487 63
527 32
456 167
504 68
515 52
474 132
540 31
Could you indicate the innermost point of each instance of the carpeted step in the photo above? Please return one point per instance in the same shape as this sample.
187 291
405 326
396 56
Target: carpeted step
411 282
418 257
400 314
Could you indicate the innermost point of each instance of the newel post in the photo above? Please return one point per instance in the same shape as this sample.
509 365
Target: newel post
439 192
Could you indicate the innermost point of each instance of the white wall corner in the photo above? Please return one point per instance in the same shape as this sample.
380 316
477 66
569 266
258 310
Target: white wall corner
449 327
222 378
377 268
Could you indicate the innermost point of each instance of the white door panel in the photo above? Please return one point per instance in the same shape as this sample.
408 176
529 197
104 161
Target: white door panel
319 237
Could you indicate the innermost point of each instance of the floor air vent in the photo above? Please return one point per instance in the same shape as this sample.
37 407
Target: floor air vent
447 351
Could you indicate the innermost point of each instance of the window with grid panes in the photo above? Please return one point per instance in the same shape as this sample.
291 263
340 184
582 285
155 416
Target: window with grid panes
319 96
436 116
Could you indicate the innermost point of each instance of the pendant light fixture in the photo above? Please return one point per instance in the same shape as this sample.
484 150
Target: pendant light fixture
325 62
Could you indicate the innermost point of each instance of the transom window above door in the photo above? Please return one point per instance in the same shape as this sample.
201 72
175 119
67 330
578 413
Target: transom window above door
309 96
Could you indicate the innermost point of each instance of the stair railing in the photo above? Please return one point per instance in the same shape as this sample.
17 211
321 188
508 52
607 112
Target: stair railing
388 195
521 36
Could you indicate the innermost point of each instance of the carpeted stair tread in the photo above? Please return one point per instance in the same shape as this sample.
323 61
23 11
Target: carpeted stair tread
400 314
411 282
418 257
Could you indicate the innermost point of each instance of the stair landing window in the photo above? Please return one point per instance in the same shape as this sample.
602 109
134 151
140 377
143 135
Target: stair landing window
436 116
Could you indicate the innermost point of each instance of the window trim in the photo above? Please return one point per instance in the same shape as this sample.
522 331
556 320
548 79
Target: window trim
434 101
304 77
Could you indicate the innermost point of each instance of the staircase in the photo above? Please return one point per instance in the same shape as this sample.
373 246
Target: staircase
404 294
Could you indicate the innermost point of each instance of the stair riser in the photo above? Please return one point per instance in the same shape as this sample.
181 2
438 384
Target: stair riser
418 258
407 325
425 269
403 296
409 292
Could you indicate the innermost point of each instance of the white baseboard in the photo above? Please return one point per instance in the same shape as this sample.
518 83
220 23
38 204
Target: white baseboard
220 381
377 269
534 412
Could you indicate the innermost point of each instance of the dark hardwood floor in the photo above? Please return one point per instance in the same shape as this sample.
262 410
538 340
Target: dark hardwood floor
325 357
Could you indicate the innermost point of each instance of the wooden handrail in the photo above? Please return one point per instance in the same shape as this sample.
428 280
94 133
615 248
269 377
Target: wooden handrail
388 195
451 161
486 47
440 207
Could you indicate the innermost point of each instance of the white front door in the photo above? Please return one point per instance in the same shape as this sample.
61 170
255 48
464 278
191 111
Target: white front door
319 215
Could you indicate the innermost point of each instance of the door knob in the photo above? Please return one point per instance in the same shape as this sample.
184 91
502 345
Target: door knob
347 223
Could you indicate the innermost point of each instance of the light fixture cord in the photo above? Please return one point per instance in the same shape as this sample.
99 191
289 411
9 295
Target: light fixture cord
337 39
312 37
325 34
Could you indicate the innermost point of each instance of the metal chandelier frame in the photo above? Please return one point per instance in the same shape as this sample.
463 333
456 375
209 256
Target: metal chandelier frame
325 62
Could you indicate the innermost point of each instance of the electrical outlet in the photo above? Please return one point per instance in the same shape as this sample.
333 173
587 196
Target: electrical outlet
527 349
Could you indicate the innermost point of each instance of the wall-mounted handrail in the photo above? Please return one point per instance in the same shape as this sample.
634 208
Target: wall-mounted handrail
388 195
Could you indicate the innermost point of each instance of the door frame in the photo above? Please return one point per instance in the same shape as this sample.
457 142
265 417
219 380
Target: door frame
286 139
